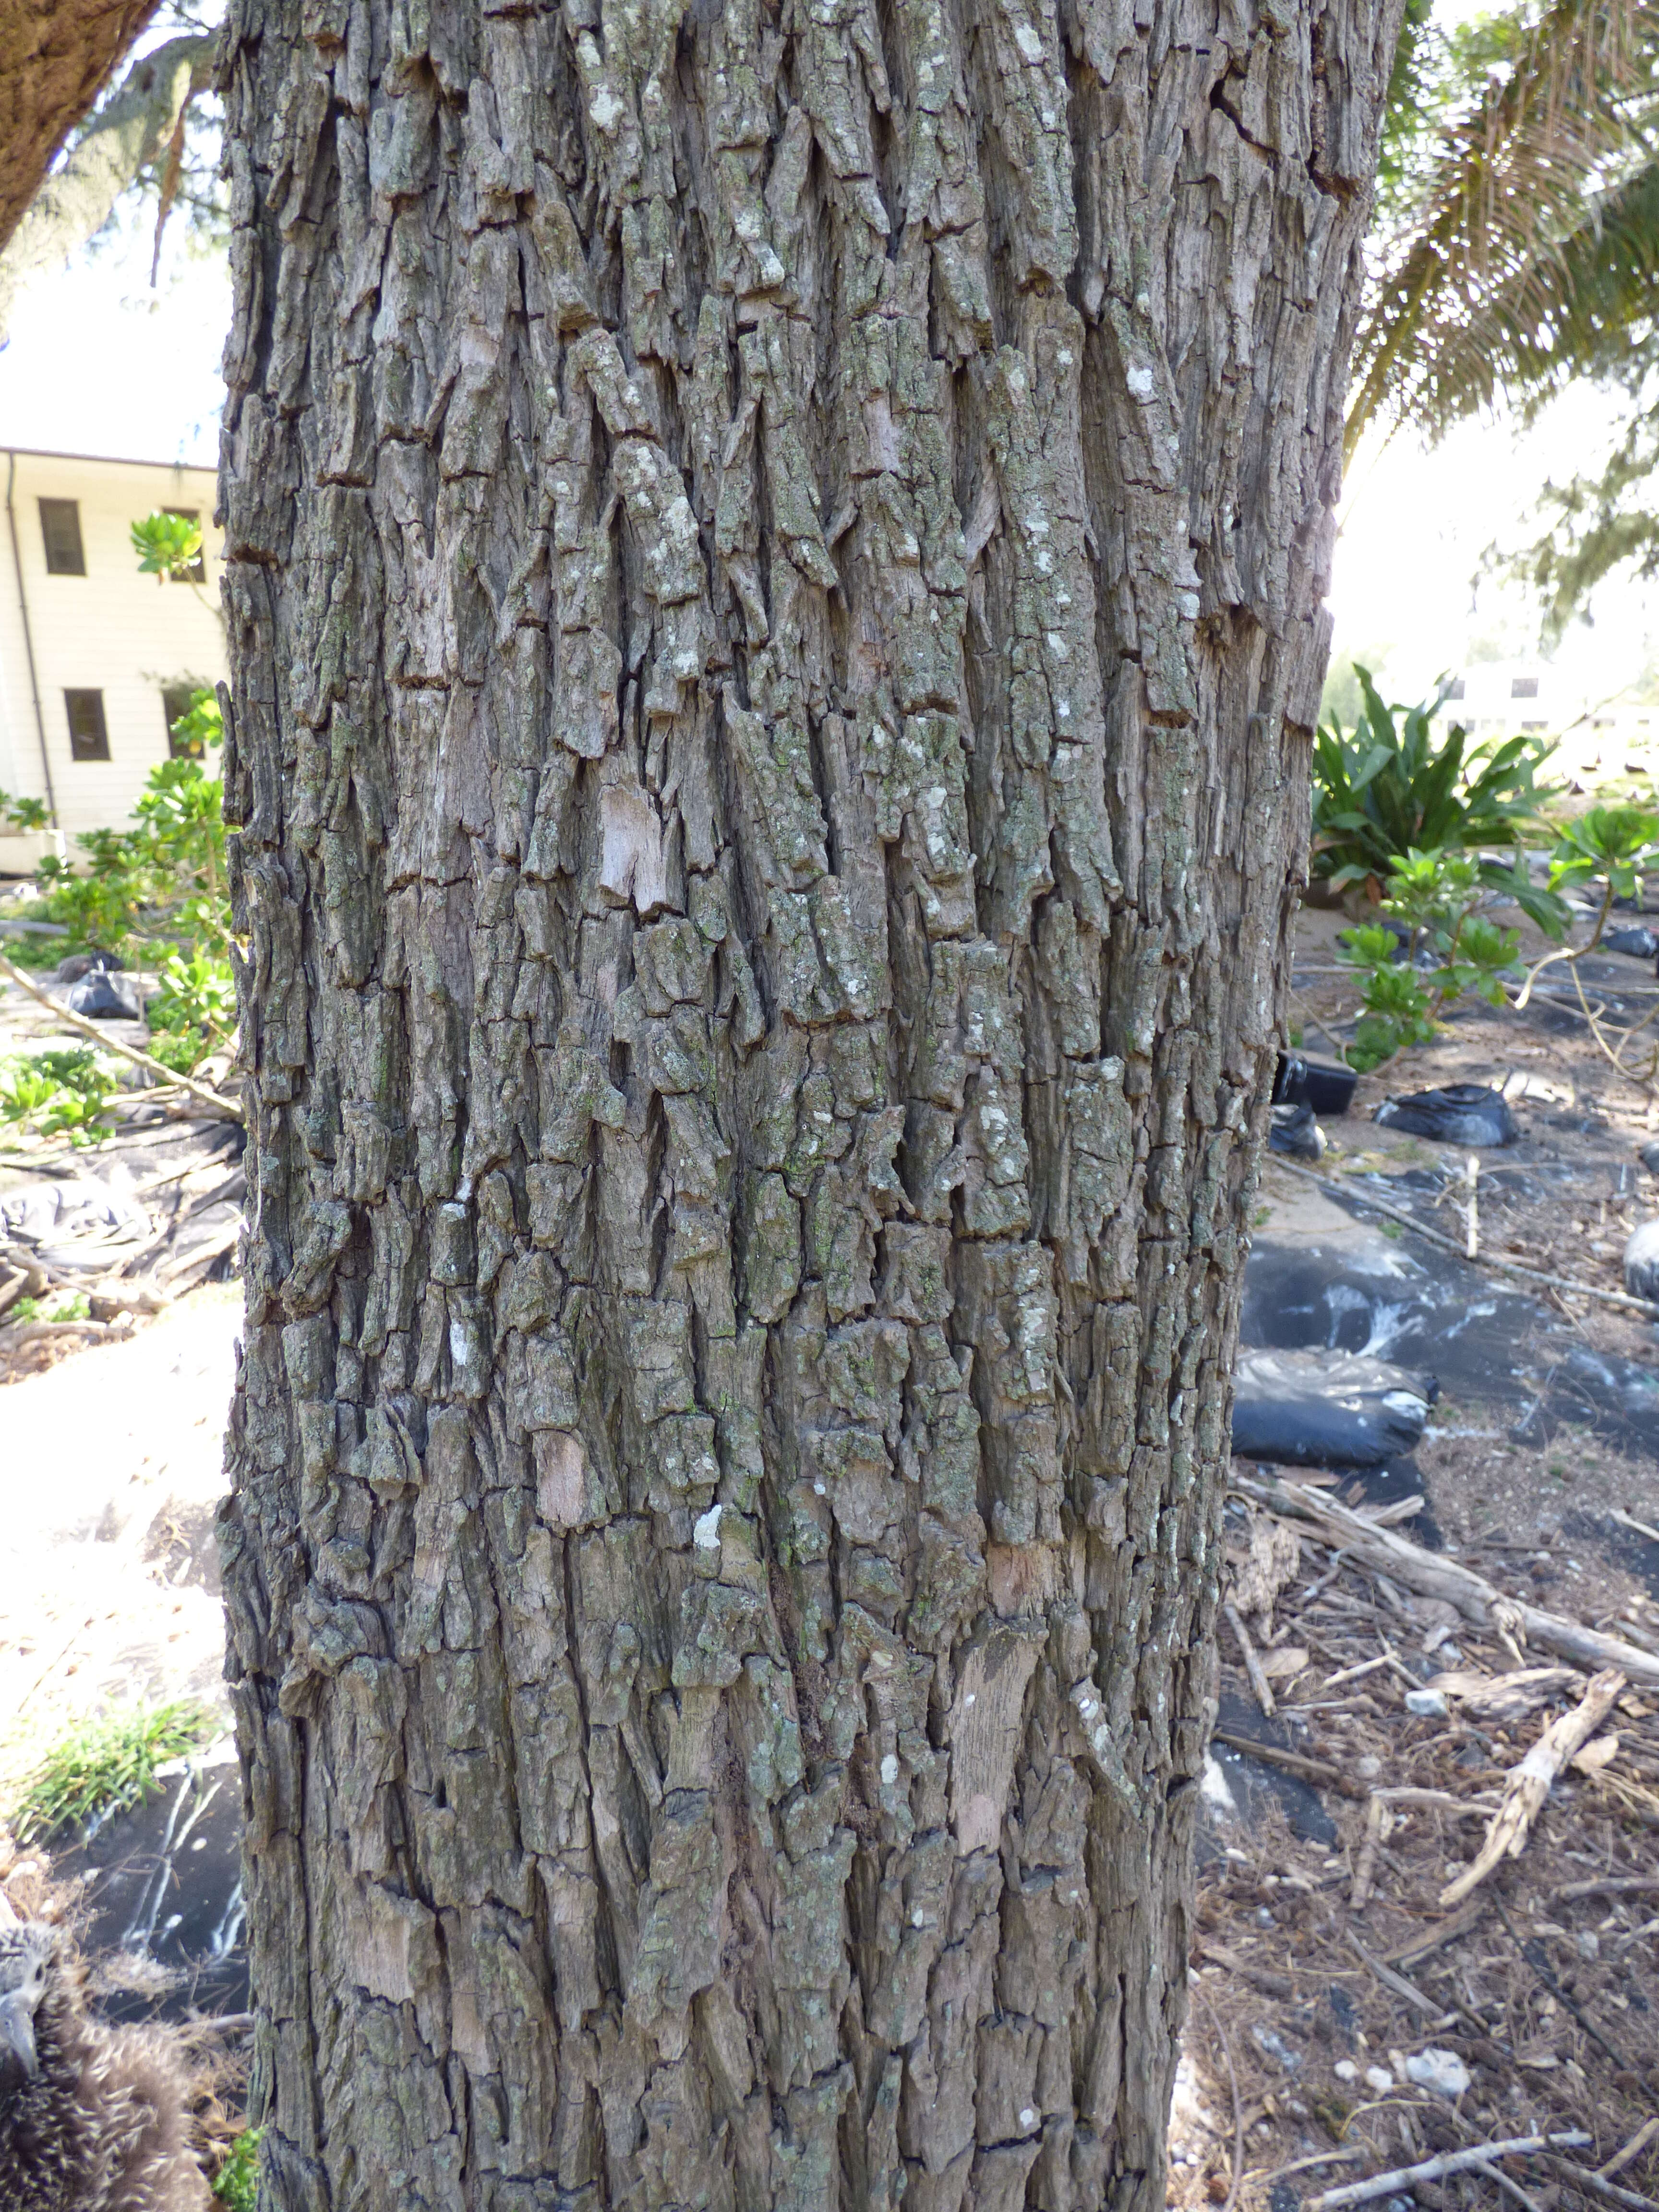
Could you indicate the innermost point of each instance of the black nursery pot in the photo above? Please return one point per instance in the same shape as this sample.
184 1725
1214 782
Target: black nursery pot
1320 1083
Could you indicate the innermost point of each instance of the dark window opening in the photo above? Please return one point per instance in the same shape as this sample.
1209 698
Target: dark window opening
175 704
1524 687
193 571
89 733
60 525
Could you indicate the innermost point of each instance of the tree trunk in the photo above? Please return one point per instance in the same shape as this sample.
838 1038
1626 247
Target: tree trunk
775 559
55 57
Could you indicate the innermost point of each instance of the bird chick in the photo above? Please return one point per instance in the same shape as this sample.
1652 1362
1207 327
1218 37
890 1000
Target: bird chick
92 2118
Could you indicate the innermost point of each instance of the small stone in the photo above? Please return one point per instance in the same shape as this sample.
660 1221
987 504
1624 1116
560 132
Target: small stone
1431 1705
1379 2078
1368 1768
1345 2071
1442 2071
1590 1945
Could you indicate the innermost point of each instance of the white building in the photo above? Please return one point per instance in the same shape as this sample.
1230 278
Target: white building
95 657
1598 739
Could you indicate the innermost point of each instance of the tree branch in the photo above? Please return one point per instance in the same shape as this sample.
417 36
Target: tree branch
134 127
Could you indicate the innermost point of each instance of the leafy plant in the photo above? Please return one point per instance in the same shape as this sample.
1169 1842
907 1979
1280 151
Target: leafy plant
182 834
24 814
168 545
1613 845
237 2183
106 1765
63 1305
1438 895
57 1092
196 995
200 728
1388 790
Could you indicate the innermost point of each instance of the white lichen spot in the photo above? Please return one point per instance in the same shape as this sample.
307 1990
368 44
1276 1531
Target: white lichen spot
819 1488
1045 561
968 1702
1141 382
1187 602
918 1918
889 1771
1028 2117
707 1533
1064 356
606 109
1063 710
457 1343
1056 644
1029 44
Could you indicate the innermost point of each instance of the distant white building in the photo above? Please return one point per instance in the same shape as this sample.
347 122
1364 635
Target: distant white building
96 658
1596 738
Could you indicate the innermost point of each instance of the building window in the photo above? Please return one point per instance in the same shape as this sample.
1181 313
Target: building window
193 571
60 525
1524 687
1535 725
1456 691
88 735
175 705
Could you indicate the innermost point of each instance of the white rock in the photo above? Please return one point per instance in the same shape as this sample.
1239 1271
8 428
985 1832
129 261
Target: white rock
1345 2071
1431 1703
1379 2078
1443 2071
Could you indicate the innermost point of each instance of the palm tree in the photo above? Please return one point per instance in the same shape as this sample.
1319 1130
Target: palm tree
1519 248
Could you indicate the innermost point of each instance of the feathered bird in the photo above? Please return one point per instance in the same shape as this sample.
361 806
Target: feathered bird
93 2118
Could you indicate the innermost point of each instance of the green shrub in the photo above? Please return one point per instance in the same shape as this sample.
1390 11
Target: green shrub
57 1092
166 544
1438 897
1388 790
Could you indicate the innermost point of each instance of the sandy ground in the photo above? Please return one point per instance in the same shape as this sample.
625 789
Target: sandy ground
110 1467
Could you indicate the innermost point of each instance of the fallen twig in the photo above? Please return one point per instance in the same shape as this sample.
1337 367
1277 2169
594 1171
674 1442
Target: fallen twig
1302 2164
1433 1575
1377 1819
1527 1784
1258 1682
1401 1988
1645 1307
227 1107
1638 2143
1496 2173
1443 1931
1624 1885
1404 2178
1582 2177
1629 1520
1293 1762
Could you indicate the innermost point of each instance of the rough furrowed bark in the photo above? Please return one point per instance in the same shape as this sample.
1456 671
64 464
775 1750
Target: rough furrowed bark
774 564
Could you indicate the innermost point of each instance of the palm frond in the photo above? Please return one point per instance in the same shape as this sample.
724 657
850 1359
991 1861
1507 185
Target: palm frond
1531 217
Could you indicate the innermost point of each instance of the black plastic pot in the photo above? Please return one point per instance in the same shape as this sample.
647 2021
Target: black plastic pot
1320 1083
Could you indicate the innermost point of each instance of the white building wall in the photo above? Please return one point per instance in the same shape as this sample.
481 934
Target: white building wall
112 630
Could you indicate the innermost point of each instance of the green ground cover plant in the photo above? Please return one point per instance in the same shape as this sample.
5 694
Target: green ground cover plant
107 1765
